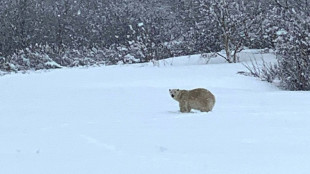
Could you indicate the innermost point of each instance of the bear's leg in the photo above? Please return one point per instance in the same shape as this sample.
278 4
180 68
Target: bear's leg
206 109
188 108
184 107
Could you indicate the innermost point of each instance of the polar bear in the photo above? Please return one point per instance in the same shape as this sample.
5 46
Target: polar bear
200 99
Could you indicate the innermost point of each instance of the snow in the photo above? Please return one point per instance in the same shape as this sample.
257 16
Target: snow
121 119
281 32
53 64
140 24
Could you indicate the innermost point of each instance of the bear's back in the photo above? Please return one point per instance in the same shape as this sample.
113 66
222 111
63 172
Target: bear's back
200 93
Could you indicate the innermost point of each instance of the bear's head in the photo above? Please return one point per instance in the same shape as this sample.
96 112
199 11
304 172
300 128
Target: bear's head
174 93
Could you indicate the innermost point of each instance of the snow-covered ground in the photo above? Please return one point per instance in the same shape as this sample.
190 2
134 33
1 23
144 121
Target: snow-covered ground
121 120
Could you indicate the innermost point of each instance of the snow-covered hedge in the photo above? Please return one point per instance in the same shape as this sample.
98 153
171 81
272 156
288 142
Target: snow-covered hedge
43 57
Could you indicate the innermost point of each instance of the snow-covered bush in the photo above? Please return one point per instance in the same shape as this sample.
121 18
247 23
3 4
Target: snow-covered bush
71 58
6 66
32 58
291 37
293 48
44 57
294 58
89 57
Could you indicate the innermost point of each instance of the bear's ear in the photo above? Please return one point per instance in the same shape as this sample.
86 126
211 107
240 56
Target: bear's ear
178 90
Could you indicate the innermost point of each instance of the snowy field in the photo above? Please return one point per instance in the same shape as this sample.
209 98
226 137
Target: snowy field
121 120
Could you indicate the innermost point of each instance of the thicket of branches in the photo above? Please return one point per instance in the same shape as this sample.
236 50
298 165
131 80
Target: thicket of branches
293 46
41 34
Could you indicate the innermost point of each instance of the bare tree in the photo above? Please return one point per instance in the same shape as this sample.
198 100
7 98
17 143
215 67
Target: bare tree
234 20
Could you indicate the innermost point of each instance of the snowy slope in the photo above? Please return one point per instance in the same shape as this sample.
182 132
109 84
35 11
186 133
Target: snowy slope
121 120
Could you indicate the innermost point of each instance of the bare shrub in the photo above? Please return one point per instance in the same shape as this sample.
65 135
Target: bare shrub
266 71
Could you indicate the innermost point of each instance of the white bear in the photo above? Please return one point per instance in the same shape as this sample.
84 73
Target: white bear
200 99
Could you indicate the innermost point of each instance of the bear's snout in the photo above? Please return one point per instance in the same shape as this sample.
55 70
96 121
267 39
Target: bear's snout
172 95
